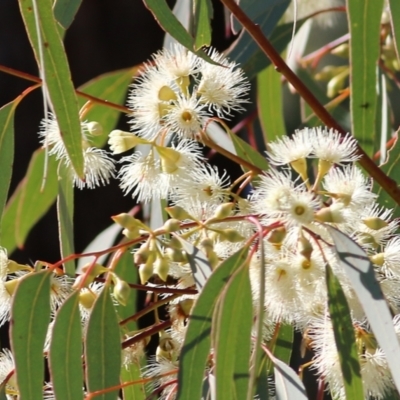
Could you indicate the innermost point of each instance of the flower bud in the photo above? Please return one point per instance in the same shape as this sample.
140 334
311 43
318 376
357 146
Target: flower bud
121 291
128 222
131 234
178 213
337 83
223 211
95 271
87 298
161 268
142 254
304 247
11 286
186 306
375 223
121 141
13 266
341 51
175 255
94 128
378 259
166 94
146 271
277 236
231 235
206 244
172 225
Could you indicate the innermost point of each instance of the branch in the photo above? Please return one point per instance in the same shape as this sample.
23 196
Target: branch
388 184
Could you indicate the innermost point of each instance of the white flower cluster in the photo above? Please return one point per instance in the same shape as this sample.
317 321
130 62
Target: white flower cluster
98 166
174 98
313 182
299 248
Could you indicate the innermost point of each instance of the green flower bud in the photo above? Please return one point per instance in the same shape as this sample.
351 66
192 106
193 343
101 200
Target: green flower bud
94 128
178 213
146 270
375 223
176 255
231 235
161 268
172 225
223 210
121 291
87 299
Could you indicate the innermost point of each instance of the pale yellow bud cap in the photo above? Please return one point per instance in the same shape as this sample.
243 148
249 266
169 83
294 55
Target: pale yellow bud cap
375 223
121 141
94 128
121 291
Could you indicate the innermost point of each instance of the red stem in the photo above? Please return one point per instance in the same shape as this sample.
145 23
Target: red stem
388 184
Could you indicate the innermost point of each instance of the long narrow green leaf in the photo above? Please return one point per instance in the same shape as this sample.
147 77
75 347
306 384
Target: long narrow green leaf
364 24
287 383
32 203
197 344
168 21
6 152
65 11
245 51
269 102
130 374
231 329
262 387
391 168
245 151
284 343
30 315
395 20
126 271
203 16
360 272
57 75
103 348
66 351
8 239
344 337
111 87
65 215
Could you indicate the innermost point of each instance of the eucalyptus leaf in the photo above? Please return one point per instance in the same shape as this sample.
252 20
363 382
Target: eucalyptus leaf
110 87
365 26
33 202
287 383
103 348
65 216
57 76
203 16
30 314
344 337
168 21
245 51
65 11
269 103
6 153
360 272
196 347
395 20
66 351
232 325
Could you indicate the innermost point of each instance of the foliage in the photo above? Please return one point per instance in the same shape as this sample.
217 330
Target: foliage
232 265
